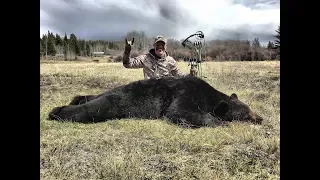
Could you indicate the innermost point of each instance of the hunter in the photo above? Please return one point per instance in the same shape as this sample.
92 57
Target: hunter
156 63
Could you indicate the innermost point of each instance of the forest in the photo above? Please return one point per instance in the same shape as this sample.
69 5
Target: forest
53 46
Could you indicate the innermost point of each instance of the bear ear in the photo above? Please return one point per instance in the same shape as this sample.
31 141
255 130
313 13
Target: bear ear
222 108
234 95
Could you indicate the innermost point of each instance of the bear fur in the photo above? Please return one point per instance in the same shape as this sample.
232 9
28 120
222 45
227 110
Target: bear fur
187 100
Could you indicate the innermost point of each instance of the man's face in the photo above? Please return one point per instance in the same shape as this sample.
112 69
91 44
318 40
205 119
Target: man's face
160 47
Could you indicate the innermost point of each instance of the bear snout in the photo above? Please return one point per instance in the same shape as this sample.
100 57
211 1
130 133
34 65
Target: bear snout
259 119
54 114
256 119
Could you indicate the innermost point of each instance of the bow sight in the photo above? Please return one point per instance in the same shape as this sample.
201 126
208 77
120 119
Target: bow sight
195 59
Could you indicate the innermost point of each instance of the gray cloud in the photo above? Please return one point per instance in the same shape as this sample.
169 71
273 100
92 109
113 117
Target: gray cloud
111 20
245 32
259 4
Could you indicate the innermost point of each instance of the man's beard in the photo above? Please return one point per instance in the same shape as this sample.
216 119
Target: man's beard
163 52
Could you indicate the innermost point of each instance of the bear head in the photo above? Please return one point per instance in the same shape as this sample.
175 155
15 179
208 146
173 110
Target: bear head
234 109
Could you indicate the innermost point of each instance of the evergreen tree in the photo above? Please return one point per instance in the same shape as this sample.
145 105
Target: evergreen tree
65 39
51 44
65 45
59 41
256 43
277 41
41 46
82 47
270 45
88 49
74 44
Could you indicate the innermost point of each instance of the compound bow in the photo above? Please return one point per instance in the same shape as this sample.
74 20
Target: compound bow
196 47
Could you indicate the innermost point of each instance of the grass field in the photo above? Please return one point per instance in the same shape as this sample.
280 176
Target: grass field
155 149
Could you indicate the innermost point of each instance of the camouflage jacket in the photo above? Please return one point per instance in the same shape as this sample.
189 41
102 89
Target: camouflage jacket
153 67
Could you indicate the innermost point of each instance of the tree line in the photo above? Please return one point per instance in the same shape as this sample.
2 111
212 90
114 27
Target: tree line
71 47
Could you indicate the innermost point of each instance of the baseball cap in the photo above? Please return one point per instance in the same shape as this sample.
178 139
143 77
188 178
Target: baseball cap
160 38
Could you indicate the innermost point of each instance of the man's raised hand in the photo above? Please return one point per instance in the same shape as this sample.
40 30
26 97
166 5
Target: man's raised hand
129 44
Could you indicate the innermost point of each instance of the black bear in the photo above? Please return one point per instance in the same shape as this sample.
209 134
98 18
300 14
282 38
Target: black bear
187 100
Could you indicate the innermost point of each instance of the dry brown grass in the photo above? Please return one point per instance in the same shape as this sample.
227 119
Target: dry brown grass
155 149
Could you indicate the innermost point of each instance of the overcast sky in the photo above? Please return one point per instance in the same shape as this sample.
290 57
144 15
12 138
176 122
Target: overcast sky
112 19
